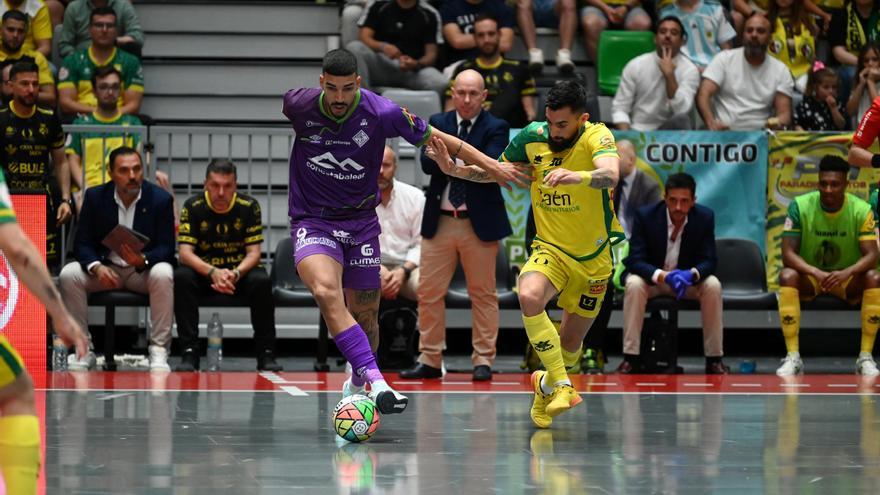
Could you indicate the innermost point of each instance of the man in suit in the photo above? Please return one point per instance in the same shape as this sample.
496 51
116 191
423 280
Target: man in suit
130 201
672 253
462 219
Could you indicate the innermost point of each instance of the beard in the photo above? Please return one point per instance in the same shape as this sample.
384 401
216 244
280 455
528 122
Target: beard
557 145
754 50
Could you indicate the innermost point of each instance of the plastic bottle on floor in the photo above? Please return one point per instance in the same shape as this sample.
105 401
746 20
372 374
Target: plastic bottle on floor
59 355
215 343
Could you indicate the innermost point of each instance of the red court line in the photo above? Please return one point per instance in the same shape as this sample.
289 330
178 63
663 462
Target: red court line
461 382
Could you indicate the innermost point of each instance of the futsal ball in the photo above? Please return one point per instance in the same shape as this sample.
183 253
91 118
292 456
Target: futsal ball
356 418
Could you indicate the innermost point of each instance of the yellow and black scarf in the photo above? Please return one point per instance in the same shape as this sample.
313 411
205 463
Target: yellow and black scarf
856 37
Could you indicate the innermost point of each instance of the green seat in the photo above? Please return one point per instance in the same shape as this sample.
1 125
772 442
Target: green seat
616 48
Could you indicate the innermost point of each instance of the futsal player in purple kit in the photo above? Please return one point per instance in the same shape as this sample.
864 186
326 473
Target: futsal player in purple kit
337 153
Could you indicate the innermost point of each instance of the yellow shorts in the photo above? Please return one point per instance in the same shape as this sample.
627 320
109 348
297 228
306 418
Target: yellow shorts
838 291
581 285
11 364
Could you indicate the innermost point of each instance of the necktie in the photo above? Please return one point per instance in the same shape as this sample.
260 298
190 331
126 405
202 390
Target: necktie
457 190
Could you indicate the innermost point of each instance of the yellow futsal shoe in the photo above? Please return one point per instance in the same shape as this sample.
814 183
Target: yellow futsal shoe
564 397
538 413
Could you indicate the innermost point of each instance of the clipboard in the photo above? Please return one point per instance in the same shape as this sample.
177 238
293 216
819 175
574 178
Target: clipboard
124 236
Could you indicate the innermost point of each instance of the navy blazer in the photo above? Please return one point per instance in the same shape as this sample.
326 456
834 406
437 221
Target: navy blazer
647 244
154 218
485 205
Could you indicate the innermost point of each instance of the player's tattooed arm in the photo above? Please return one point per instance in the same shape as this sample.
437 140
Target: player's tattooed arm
602 178
472 173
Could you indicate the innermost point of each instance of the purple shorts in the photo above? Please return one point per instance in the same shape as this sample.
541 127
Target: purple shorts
357 251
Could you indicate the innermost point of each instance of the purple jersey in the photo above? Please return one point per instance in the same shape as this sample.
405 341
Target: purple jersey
334 164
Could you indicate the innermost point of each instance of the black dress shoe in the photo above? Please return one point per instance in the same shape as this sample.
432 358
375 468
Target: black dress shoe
421 370
482 373
188 362
266 362
717 368
626 368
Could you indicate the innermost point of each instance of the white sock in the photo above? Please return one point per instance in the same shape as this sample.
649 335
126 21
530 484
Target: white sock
379 386
547 390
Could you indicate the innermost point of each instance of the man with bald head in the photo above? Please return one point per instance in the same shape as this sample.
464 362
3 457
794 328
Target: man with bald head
463 220
635 189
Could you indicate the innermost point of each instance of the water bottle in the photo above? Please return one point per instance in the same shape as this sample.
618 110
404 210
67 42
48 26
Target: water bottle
59 355
215 343
747 366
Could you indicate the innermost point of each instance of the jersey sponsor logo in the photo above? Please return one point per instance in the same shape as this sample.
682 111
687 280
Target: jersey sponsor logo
344 237
328 165
367 250
365 262
361 138
311 241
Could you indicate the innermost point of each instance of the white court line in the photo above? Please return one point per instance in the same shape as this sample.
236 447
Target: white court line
603 384
300 382
294 391
408 382
177 390
650 384
803 385
746 385
115 396
503 384
456 392
698 384
842 385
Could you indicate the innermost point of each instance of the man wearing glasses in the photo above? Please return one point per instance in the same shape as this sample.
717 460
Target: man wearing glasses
75 86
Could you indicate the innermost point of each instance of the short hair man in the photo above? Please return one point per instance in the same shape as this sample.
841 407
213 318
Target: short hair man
75 91
39 31
458 16
137 204
221 231
642 102
742 87
511 89
829 246
14 28
75 34
672 252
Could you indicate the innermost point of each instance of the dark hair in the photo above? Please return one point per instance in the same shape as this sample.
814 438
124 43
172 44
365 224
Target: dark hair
672 18
799 18
340 62
486 17
863 52
121 151
682 180
569 93
833 163
16 15
105 10
816 76
22 66
222 167
102 72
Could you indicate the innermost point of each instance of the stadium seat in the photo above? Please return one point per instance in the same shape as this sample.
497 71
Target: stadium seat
616 48
458 298
422 103
742 272
110 300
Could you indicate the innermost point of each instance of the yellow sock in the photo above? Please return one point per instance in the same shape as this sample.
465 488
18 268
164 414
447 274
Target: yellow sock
790 316
20 453
545 340
870 318
570 358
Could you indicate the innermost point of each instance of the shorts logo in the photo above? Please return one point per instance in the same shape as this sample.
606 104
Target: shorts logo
361 138
301 233
8 291
596 289
366 250
588 303
343 236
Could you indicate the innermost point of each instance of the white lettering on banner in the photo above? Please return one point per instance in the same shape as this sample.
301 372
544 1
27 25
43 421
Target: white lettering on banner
685 153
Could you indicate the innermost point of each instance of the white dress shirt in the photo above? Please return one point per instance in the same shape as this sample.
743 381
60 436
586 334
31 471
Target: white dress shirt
444 200
401 222
673 247
126 218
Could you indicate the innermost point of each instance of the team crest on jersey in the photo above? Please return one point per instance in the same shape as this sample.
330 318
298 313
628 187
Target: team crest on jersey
361 138
10 131
238 224
43 130
203 227
788 224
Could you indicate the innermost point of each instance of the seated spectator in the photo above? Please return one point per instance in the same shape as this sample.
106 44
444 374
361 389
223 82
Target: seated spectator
7 84
644 105
75 90
743 9
39 33
867 86
87 151
829 246
851 29
133 202
220 235
707 30
793 41
820 110
560 14
458 16
12 50
56 11
743 87
76 30
352 12
672 253
400 215
616 14
511 90
398 46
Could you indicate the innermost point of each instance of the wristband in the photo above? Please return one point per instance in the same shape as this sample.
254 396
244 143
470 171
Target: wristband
382 47
407 272
586 177
211 271
875 161
237 274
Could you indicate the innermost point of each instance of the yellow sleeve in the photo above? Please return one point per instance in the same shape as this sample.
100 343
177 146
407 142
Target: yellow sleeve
601 141
867 231
42 25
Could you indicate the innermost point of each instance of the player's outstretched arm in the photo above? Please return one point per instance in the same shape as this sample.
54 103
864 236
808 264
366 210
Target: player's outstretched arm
859 157
605 176
504 175
437 151
31 270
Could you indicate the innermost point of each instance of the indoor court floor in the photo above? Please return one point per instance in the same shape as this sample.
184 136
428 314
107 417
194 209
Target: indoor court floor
256 433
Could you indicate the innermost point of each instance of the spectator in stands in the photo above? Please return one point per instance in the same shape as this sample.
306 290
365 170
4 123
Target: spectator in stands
458 18
852 28
743 9
75 77
398 46
12 50
76 30
820 110
39 33
618 14
549 14
742 87
400 215
463 221
672 253
352 13
7 85
793 41
644 105
511 90
87 152
829 246
221 232
707 30
867 87
137 204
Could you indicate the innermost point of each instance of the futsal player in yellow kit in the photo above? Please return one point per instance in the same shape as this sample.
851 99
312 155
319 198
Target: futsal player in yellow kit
574 167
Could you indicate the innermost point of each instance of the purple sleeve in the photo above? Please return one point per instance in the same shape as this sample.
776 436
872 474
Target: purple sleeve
399 122
291 99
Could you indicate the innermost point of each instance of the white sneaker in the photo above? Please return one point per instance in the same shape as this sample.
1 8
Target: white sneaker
563 62
866 366
792 364
86 363
159 358
536 60
389 401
